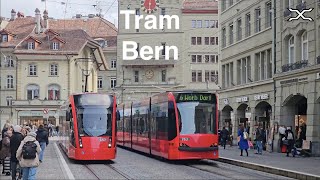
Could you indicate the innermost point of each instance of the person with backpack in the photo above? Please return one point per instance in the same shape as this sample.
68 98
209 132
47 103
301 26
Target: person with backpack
43 139
28 156
15 142
289 136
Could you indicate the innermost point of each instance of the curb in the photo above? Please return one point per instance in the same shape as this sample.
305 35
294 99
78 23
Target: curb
269 169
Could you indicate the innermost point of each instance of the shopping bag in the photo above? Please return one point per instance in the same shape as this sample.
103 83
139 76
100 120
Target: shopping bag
250 145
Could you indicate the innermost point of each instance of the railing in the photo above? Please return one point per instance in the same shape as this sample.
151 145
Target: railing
295 66
318 58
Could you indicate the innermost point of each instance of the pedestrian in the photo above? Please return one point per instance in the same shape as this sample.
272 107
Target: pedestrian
43 139
28 156
224 137
259 139
5 153
289 136
243 140
57 130
15 142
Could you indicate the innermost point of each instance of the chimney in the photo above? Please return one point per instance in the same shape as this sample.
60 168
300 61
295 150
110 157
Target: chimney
38 16
45 18
13 15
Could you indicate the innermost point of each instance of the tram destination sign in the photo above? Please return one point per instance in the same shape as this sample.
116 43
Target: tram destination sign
198 97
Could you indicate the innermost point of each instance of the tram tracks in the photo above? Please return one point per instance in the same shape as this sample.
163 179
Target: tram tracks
99 175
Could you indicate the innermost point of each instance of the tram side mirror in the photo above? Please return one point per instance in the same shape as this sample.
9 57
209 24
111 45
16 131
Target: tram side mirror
118 115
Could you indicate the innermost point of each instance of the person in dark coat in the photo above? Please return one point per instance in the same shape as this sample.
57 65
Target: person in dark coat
43 138
243 142
15 142
289 136
224 137
259 140
5 153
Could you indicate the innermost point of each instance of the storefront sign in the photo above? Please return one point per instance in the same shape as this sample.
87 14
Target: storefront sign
242 99
226 101
301 79
261 97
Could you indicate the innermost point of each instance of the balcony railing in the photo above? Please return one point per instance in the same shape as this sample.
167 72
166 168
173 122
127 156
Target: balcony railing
295 66
318 58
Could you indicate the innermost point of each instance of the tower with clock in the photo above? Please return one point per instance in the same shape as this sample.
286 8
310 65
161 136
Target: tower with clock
150 6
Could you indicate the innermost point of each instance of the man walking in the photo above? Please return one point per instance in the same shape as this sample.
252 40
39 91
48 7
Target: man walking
259 139
43 139
224 137
15 142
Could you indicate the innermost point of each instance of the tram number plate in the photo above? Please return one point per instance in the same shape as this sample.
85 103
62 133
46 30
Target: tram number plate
102 139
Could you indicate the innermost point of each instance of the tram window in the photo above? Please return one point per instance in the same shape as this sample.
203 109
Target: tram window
172 125
118 116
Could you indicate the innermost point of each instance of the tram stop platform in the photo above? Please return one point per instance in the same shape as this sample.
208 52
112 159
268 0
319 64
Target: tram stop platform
276 163
53 165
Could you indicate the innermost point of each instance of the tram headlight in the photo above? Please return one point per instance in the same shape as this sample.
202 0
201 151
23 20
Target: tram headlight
110 142
80 142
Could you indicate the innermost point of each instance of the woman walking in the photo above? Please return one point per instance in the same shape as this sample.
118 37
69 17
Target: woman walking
5 153
243 140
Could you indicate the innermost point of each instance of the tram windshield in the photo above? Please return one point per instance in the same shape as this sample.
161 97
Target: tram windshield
94 114
196 114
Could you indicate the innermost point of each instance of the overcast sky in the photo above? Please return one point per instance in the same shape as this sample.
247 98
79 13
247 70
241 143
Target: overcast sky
56 8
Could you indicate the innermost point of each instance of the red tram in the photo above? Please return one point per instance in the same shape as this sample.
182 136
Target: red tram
89 126
172 125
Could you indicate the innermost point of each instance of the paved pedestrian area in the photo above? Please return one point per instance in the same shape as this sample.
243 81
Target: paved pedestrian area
51 167
308 165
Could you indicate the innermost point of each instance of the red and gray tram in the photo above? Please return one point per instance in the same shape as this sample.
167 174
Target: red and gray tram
89 126
172 125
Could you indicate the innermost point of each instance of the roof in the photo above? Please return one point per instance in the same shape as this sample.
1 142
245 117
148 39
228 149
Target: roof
200 6
95 27
21 27
74 40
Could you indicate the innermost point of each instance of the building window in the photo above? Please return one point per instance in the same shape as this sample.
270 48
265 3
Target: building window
207 24
230 3
223 5
4 38
9 101
207 76
113 64
199 23
239 30
31 45
136 76
32 70
194 58
199 78
194 76
193 40
99 82
163 52
289 3
291 49
164 75
224 40
138 11
214 77
244 70
194 24
248 25
199 40
199 58
268 15
231 34
304 46
113 82
32 92
9 61
217 41
54 92
213 58
212 40
163 11
258 19
263 66
55 46
227 70
206 58
9 81
213 24
206 40
53 70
